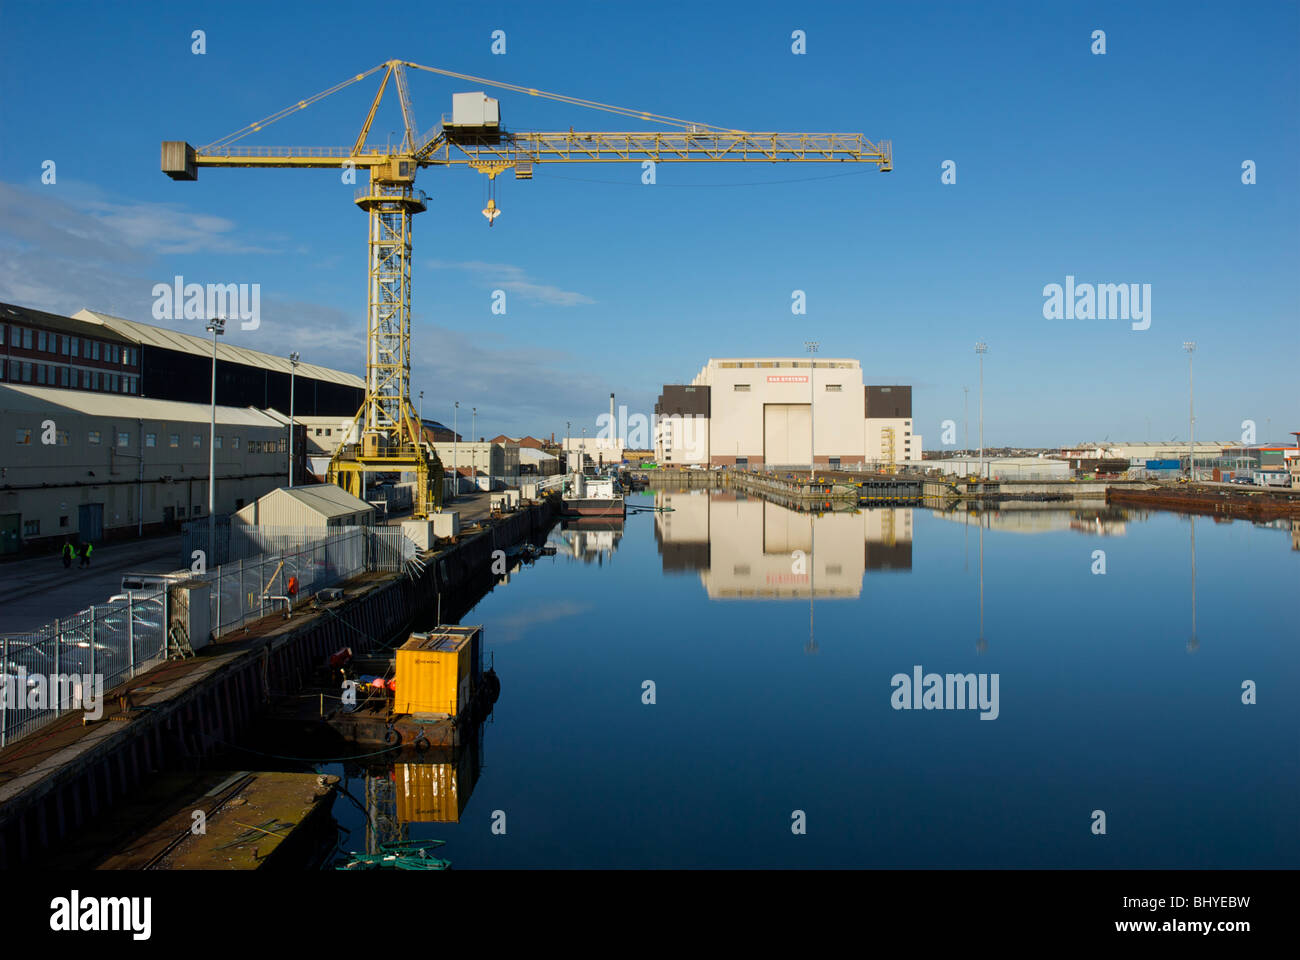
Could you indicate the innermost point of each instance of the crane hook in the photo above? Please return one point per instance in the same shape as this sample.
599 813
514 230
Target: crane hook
491 211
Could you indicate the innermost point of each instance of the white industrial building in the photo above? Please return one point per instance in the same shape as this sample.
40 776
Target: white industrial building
103 465
784 412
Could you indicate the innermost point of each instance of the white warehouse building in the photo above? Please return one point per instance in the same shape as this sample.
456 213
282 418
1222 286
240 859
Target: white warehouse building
770 412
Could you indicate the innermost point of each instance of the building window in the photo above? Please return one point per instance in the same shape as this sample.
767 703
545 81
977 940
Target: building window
63 521
92 437
198 440
27 338
94 350
65 345
151 439
31 528
85 379
27 372
40 373
174 440
114 383
23 436
741 388
834 388
217 445
318 431
40 341
2 334
234 443
329 432
66 376
76 346
123 439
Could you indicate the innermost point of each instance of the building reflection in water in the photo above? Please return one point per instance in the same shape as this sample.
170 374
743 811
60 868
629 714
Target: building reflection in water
746 547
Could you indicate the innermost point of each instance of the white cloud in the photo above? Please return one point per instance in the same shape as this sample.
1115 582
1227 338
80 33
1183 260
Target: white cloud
514 280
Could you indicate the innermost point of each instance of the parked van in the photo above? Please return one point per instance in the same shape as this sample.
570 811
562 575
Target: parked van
151 582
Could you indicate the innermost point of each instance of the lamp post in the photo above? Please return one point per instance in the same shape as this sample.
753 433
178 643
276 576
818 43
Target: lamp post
473 450
1190 347
811 346
293 370
421 414
455 452
965 419
981 348
216 326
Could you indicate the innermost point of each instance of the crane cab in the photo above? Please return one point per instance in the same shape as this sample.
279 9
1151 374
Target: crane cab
474 116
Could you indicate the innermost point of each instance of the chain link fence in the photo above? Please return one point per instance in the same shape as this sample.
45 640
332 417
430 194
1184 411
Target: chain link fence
68 664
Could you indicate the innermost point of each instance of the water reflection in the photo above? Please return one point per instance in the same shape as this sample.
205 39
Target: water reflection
430 787
746 547
589 539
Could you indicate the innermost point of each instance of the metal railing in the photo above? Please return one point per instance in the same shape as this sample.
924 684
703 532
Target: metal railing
274 562
59 667
100 647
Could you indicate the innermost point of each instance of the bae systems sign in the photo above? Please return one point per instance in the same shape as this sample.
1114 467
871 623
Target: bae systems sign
787 379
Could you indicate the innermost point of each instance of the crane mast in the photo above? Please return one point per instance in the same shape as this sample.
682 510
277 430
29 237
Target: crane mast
386 435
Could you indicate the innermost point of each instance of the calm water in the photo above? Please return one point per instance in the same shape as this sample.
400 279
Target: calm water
1119 692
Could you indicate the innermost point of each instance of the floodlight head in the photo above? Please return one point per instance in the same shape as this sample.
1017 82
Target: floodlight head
1189 345
293 358
217 325
981 347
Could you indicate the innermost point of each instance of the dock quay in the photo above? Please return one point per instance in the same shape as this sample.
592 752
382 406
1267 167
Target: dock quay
872 489
1255 504
182 713
245 820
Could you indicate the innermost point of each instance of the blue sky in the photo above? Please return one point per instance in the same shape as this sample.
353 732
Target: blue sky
1122 168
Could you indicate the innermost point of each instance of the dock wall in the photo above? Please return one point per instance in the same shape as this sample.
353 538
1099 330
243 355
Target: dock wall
181 712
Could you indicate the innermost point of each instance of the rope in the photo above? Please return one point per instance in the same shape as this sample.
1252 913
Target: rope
277 756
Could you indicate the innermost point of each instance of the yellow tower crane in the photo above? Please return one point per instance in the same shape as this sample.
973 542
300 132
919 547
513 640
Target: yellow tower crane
384 435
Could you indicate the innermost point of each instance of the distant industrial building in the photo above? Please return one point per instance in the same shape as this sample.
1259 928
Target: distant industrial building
99 466
769 412
99 353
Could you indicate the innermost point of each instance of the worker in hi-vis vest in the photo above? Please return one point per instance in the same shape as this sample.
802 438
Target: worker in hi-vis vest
86 549
69 551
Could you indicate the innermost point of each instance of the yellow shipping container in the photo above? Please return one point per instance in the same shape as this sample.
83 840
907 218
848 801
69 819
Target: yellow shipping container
433 673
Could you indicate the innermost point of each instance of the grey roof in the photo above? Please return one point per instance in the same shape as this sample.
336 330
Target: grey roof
13 313
23 397
325 498
164 338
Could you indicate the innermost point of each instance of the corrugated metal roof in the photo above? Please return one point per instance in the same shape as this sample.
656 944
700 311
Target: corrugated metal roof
46 399
166 339
325 498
